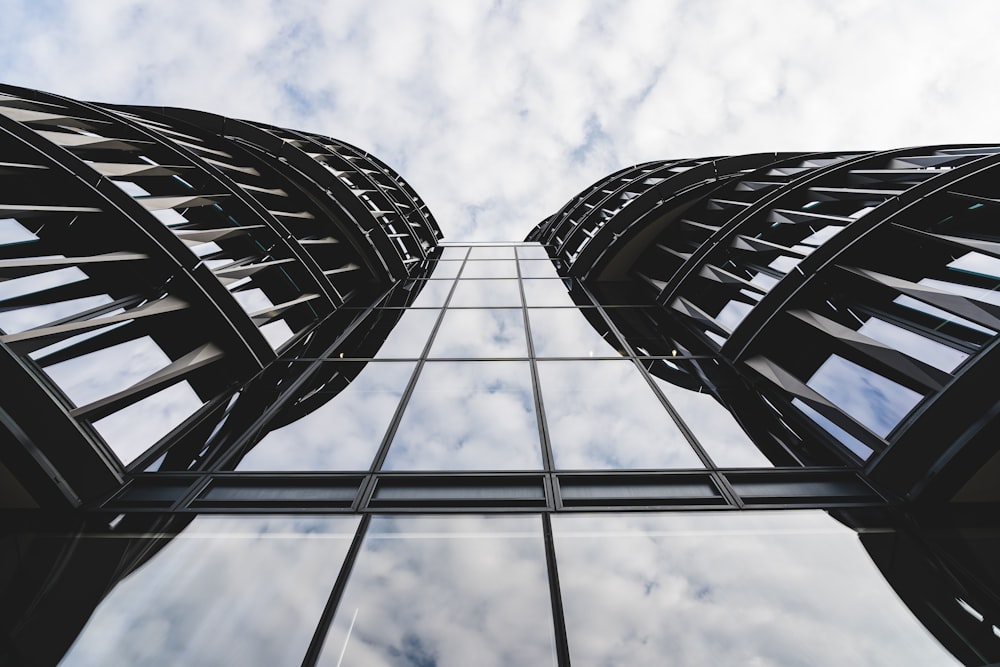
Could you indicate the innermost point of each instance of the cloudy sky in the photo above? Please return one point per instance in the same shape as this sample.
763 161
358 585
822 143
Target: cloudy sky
498 112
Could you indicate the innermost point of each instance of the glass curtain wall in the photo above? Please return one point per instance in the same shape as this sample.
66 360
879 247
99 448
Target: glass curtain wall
503 480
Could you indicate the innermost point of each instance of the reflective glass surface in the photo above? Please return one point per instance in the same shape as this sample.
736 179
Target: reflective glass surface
454 252
487 294
789 588
714 426
135 428
874 400
471 415
433 293
132 361
409 335
843 437
538 268
492 252
445 592
226 591
495 268
344 430
481 332
603 414
445 269
542 292
566 332
919 347
531 252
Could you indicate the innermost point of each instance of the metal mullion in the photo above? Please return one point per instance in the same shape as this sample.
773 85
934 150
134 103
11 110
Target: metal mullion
548 458
339 584
555 593
275 406
404 400
688 434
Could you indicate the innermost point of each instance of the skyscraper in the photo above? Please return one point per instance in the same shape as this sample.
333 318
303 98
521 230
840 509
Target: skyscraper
718 411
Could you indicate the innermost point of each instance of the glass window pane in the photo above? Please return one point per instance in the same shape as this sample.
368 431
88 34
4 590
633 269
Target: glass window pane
929 351
481 332
977 263
492 252
602 414
133 429
531 252
713 425
538 268
490 269
566 332
788 588
445 269
226 591
469 415
409 335
433 293
448 592
840 435
541 292
458 252
487 294
345 431
875 401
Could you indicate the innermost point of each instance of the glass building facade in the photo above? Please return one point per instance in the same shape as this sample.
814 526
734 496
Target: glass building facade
546 452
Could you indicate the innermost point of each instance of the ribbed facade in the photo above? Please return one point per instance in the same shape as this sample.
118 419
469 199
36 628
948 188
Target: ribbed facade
183 250
851 296
732 410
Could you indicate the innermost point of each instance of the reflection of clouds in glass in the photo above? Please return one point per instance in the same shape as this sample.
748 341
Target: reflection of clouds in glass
733 313
433 293
602 414
454 253
542 292
943 315
538 268
875 401
841 436
342 434
976 293
492 332
487 294
446 591
11 231
493 268
408 336
913 344
977 262
713 425
226 591
533 251
133 429
470 415
445 270
121 366
22 319
492 252
36 282
794 588
565 332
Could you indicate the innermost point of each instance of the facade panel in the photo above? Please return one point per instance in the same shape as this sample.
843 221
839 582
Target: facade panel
723 410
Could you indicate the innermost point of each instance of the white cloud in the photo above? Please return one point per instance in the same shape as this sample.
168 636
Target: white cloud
483 106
